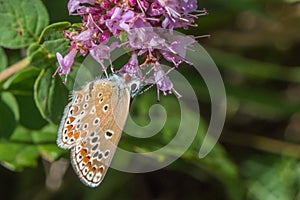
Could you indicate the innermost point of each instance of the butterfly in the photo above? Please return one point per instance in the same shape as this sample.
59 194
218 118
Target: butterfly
92 124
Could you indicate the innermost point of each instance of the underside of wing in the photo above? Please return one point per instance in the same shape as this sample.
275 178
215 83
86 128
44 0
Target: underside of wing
93 155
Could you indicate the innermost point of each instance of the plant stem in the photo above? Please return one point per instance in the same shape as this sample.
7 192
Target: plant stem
13 69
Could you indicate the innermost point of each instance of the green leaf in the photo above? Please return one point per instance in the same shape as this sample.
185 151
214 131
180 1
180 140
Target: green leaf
21 135
7 119
32 48
50 95
46 142
54 31
30 116
46 135
12 103
44 139
23 81
3 60
51 41
16 156
19 152
21 22
26 146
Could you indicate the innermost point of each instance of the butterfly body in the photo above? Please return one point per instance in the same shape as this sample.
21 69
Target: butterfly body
93 122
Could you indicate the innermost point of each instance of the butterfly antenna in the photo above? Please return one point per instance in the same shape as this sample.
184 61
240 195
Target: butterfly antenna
148 88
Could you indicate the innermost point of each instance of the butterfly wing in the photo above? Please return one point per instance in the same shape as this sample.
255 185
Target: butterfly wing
77 116
92 156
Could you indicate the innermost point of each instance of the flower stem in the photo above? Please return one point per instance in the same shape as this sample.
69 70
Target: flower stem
13 69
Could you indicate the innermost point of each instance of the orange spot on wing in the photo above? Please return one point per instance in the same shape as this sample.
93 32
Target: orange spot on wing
69 127
71 119
86 159
83 152
89 164
76 135
70 133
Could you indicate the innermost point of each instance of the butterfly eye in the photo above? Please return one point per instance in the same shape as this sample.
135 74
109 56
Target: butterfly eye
133 87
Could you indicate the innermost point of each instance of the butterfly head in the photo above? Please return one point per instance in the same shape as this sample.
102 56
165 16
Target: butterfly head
133 83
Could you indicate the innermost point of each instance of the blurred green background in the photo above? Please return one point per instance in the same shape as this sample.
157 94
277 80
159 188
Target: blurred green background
256 45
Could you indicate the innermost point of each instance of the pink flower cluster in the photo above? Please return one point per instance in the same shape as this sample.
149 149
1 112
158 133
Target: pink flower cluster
136 19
